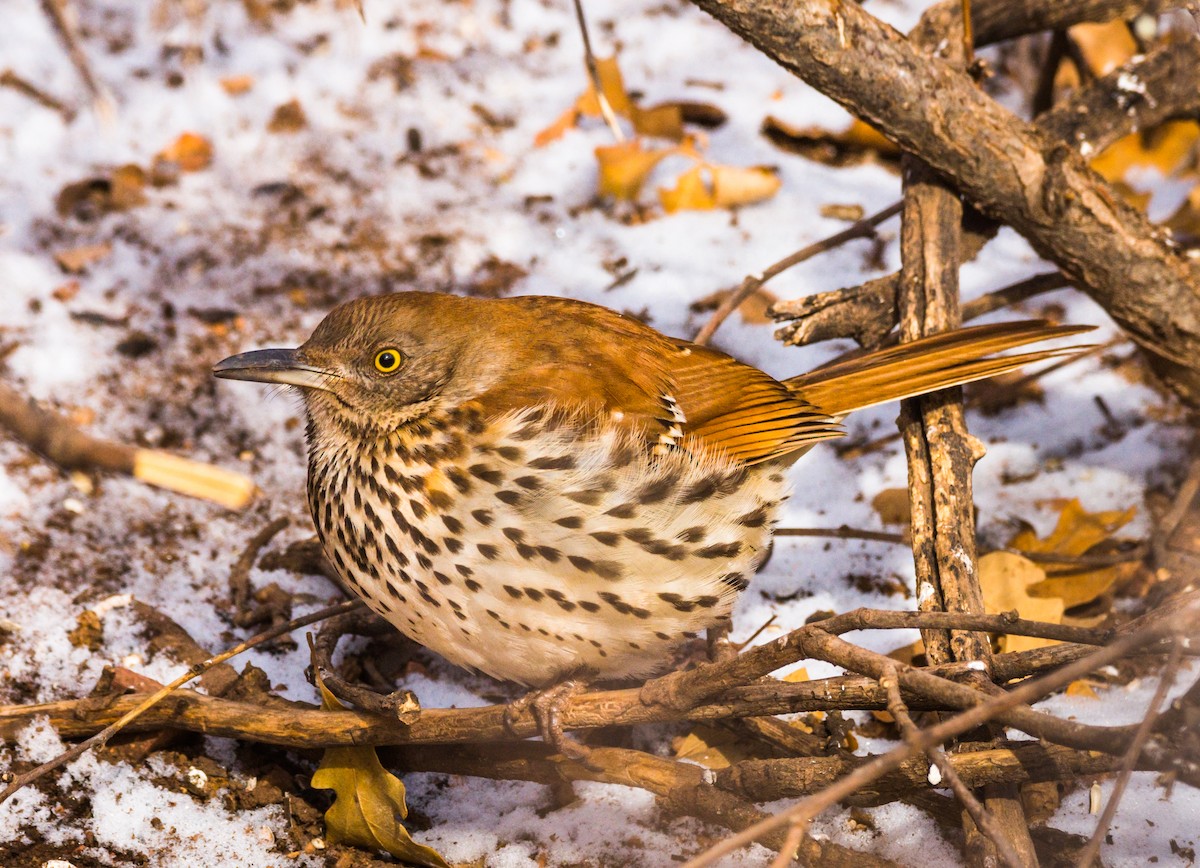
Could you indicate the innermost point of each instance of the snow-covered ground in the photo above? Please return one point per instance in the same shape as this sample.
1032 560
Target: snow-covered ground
253 250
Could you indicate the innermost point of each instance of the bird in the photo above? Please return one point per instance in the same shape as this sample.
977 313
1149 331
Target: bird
542 489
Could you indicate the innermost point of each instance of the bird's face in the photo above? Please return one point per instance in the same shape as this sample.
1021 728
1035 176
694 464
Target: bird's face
373 365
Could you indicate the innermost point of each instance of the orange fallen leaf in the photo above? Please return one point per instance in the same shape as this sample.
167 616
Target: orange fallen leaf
624 168
191 152
736 185
77 259
612 85
1081 688
1005 579
689 193
236 85
1105 46
664 121
558 129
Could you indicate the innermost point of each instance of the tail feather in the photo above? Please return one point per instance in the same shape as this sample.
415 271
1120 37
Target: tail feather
926 365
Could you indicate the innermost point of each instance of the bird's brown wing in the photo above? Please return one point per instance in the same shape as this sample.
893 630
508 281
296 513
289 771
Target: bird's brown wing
738 410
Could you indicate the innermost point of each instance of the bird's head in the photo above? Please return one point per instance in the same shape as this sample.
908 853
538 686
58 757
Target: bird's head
374 364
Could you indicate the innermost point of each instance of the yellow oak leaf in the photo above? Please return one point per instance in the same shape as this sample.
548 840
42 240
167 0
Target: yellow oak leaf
624 168
1005 579
370 801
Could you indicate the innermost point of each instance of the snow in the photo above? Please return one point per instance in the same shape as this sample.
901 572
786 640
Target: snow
283 226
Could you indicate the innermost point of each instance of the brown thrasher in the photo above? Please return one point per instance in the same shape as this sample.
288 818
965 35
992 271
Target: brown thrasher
539 488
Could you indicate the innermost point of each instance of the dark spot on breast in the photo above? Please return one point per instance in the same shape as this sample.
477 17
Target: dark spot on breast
606 537
638 534
483 516
594 643
534 594
458 479
663 636
488 474
473 586
571 522
655 490
510 453
458 614
589 606
691 535
736 581
529 483
623 510
400 557
526 551
515 593
707 602
418 508
585 496
557 462
453 544
425 562
678 602
757 518
440 499
719 550
442 578
525 627
464 570
514 533
488 550
622 607
512 498
549 553
701 489
543 631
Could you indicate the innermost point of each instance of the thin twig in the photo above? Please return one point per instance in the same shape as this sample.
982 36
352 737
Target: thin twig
844 532
239 576
1088 854
968 36
864 228
794 836
102 101
987 710
101 738
982 817
589 60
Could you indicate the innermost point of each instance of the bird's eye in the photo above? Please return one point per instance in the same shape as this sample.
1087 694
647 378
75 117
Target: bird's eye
388 361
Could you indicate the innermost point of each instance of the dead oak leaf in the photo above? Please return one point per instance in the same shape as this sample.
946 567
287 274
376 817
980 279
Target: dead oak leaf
624 167
708 185
77 259
1005 579
190 152
370 800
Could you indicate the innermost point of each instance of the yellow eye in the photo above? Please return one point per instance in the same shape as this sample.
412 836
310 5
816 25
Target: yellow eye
388 361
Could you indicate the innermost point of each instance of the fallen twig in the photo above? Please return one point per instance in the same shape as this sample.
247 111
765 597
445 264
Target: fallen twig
52 436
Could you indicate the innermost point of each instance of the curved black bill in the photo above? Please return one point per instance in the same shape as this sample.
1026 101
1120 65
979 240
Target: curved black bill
272 366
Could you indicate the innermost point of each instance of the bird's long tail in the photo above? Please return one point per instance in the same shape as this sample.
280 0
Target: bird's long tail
928 364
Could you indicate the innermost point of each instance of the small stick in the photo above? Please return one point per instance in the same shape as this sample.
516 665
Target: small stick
102 101
987 710
790 844
589 60
1087 856
968 36
864 228
8 78
101 738
239 576
982 817
53 437
844 532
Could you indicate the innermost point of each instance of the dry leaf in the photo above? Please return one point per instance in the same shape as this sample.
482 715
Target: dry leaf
288 118
1167 148
236 85
853 145
796 676
558 129
1104 47
191 152
893 506
77 259
689 193
625 167
1082 688
370 800
1006 579
1077 530
612 85
664 121
712 747
734 185
127 186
